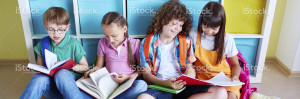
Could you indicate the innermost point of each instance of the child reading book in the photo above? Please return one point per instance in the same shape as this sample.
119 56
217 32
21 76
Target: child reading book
62 85
120 54
166 52
102 85
212 46
51 64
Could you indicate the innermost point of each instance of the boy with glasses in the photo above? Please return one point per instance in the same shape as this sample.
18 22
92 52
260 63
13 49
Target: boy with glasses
62 84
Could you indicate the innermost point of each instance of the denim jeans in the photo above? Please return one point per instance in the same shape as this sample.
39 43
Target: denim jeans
62 85
159 94
134 91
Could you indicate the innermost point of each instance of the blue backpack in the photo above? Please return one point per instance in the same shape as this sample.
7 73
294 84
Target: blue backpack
45 44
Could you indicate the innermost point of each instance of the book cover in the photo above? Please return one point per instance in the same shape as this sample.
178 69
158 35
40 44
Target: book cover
170 90
52 64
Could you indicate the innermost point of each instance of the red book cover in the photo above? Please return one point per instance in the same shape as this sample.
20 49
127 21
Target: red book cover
68 65
192 81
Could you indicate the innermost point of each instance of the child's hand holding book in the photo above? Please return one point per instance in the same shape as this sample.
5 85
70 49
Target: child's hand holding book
87 74
121 78
234 77
172 83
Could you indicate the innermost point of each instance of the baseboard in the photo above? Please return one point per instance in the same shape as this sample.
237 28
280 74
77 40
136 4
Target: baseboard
295 74
283 67
9 62
269 59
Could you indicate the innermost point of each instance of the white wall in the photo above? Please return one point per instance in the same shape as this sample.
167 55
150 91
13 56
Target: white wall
288 49
296 66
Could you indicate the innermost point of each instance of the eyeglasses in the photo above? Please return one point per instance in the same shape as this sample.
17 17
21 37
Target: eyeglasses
59 31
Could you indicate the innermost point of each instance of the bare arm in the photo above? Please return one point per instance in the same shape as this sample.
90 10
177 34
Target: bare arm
150 78
82 66
39 60
99 65
171 83
100 62
235 68
190 71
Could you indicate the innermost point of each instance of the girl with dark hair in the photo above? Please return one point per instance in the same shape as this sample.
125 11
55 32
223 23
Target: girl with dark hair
213 46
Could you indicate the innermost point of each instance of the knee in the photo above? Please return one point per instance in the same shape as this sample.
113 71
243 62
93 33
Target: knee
61 73
39 80
219 92
231 95
141 84
145 96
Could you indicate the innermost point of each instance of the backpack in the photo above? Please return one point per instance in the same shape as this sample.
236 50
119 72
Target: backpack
45 44
182 52
246 89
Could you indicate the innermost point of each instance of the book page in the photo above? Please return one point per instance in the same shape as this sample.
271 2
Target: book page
50 58
58 64
87 88
107 85
95 76
222 80
89 82
123 87
39 68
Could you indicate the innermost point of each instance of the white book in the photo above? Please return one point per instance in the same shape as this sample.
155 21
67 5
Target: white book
52 64
101 84
220 80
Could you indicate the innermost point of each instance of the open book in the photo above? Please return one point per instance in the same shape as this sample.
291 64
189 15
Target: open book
52 64
101 84
220 79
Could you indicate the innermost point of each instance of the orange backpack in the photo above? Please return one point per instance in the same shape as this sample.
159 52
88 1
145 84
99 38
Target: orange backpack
182 52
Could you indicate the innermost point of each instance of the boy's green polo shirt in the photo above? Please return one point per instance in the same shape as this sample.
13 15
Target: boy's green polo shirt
68 48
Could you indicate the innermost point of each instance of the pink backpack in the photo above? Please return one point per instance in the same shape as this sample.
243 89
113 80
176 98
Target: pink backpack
246 89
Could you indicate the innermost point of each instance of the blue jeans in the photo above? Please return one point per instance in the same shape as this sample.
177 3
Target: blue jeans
134 91
61 86
159 94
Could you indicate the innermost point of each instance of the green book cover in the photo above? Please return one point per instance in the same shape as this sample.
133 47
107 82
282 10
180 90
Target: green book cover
175 91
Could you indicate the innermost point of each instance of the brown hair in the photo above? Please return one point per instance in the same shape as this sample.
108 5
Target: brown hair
171 10
214 18
120 21
56 15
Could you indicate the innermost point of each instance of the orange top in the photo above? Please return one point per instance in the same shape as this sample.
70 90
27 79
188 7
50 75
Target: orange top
206 67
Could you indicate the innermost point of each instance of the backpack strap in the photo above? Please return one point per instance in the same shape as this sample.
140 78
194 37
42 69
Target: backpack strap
182 52
147 45
45 44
